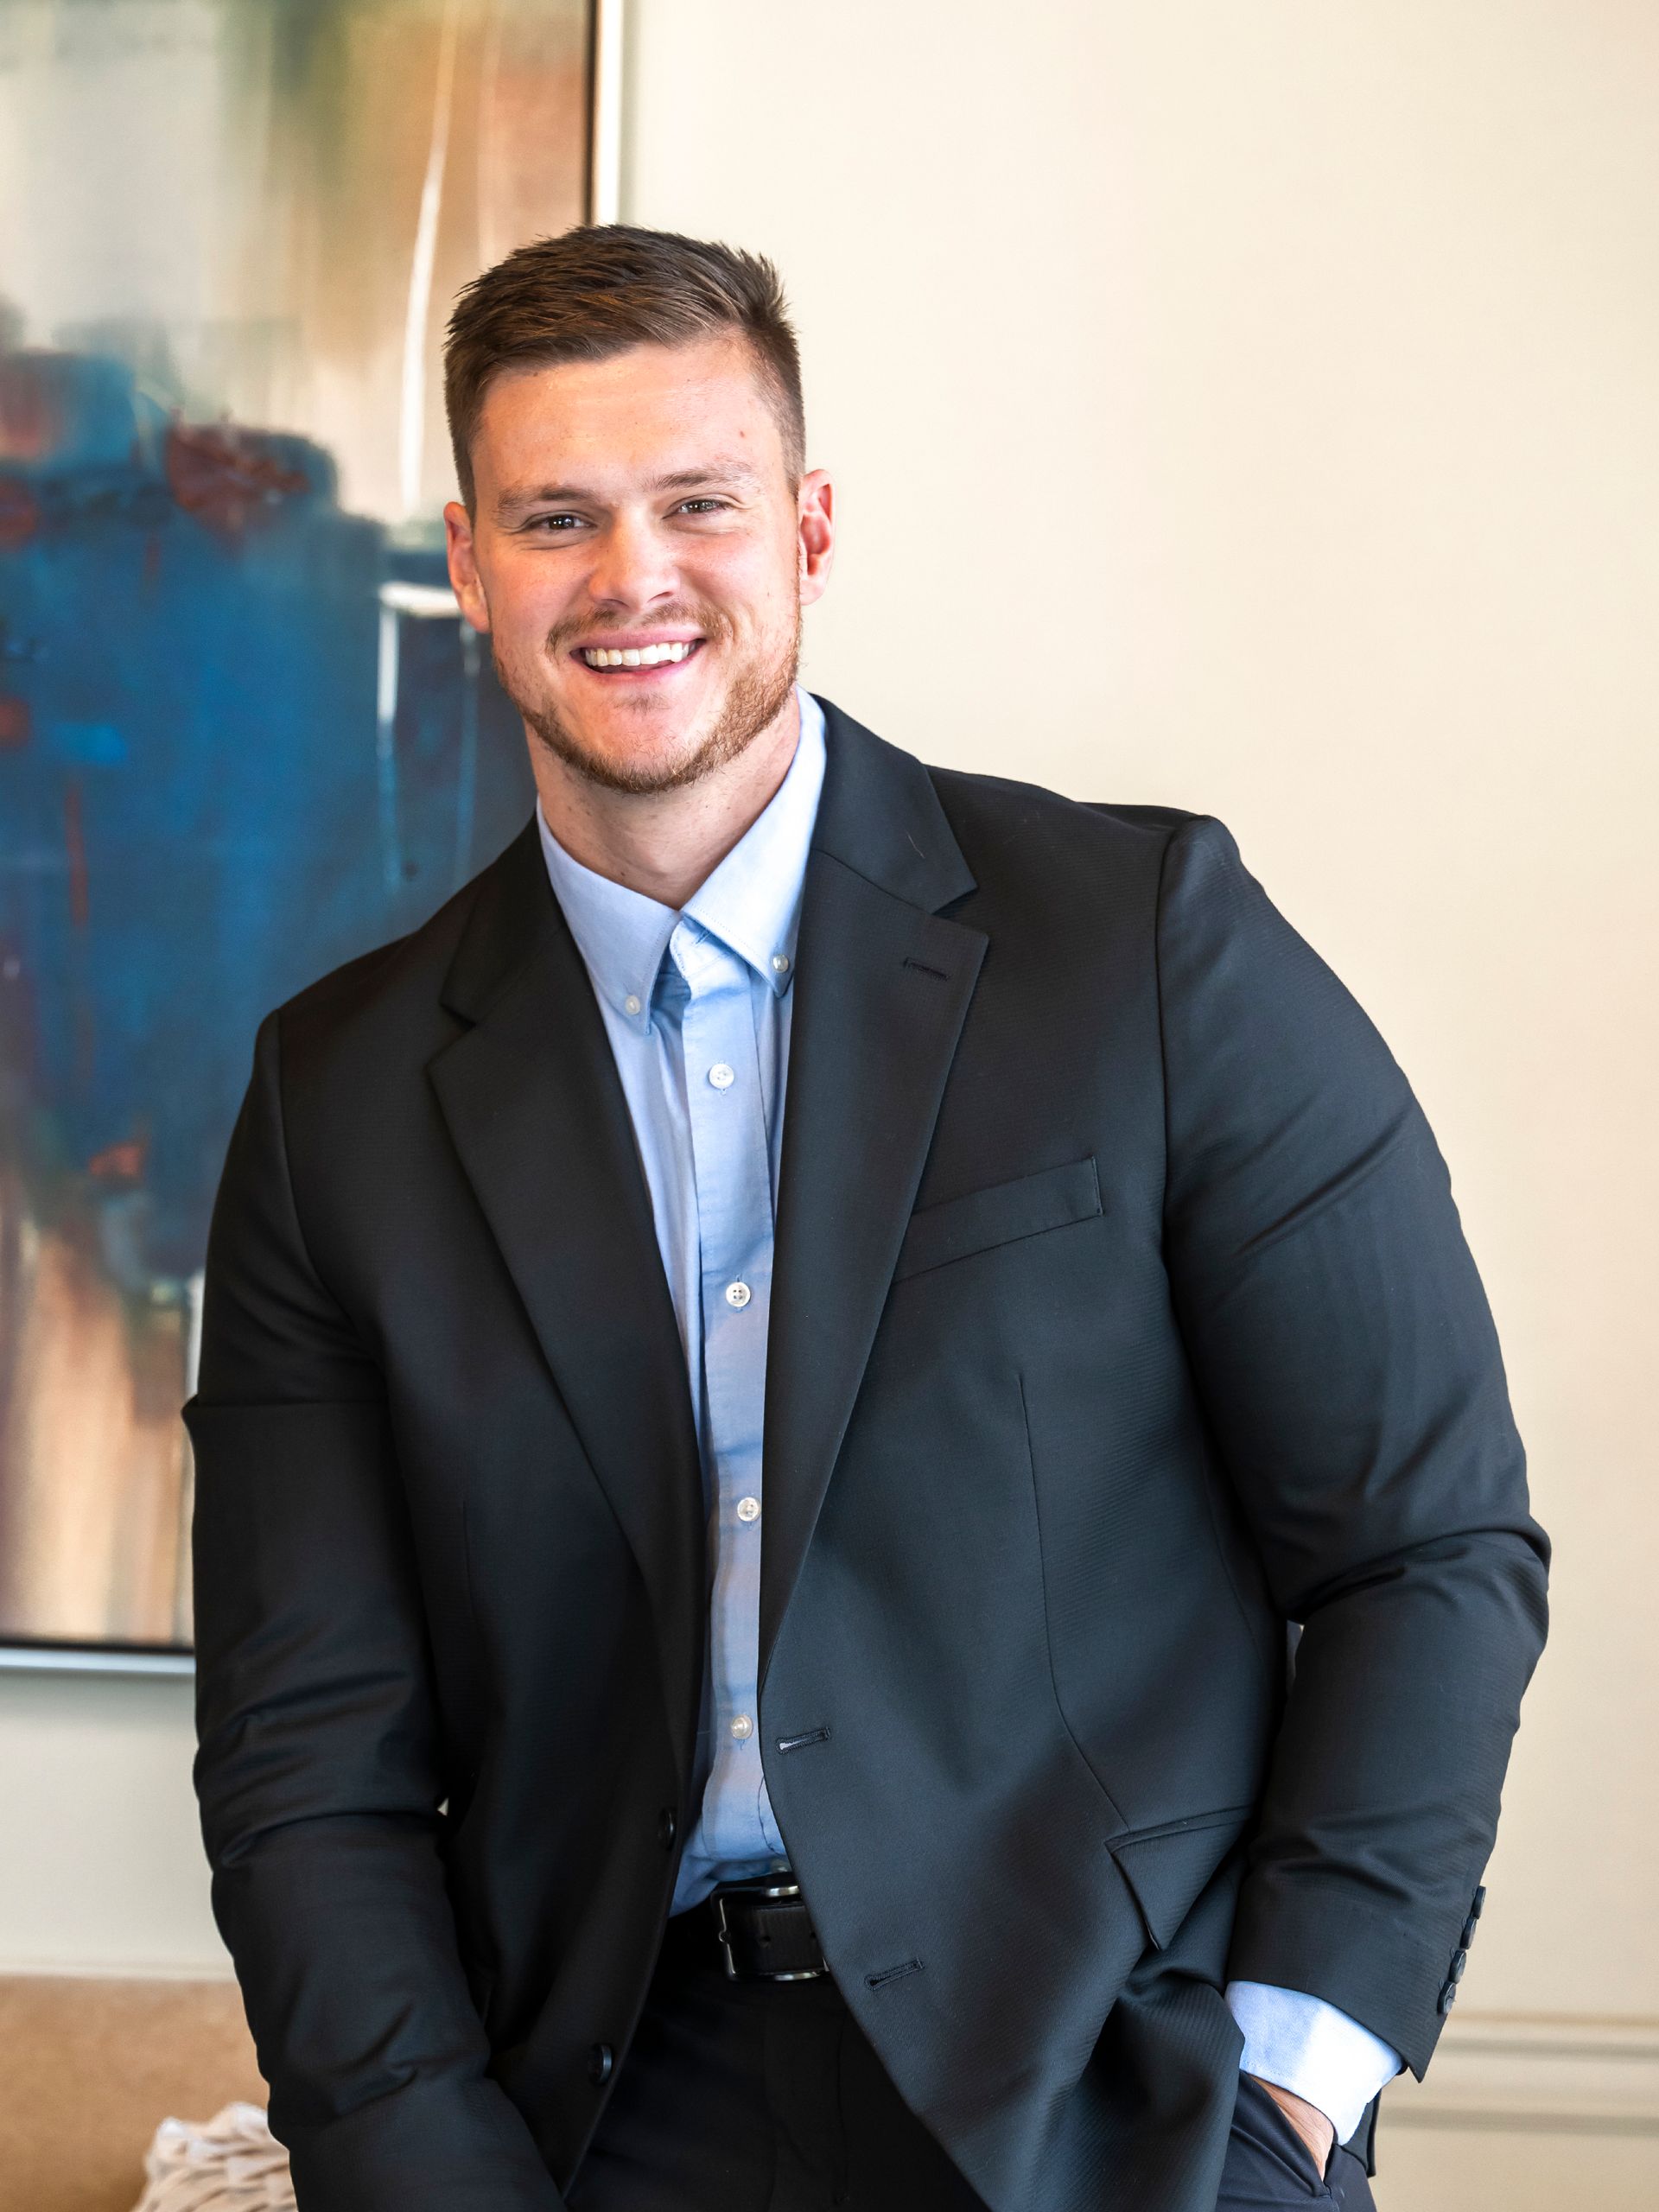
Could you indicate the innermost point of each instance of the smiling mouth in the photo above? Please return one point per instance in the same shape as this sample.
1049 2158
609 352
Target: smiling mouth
670 654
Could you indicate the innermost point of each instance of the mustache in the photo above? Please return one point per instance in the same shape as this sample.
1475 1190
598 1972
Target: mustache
681 615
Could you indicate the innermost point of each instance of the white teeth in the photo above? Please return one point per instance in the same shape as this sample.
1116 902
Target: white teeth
632 656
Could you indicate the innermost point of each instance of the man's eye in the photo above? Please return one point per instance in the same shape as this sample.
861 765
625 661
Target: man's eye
554 522
702 506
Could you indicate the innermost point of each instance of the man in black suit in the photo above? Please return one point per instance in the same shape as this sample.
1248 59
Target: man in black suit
743 1646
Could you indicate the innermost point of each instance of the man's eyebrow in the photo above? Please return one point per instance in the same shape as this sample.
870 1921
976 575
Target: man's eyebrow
734 473
549 495
712 472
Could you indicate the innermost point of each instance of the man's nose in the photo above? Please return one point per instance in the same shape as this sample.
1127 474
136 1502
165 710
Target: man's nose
632 564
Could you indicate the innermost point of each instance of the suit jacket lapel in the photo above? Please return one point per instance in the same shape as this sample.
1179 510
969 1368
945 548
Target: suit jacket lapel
537 1111
882 992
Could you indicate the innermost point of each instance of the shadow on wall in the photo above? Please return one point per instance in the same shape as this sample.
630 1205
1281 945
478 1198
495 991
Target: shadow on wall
244 736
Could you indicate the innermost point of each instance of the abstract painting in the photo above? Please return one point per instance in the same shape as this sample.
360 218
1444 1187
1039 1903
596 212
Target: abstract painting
244 733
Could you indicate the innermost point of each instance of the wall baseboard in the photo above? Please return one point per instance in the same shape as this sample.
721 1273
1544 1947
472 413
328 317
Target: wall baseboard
1511 2074
15 1969
1515 2073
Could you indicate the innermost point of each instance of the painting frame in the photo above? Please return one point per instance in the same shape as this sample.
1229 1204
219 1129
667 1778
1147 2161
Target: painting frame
602 158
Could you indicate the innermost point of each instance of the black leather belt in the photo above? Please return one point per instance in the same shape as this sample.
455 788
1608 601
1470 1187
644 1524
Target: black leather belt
758 1930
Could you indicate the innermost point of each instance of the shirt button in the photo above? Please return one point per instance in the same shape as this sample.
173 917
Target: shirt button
721 1077
738 1295
748 1508
631 1004
780 964
742 1727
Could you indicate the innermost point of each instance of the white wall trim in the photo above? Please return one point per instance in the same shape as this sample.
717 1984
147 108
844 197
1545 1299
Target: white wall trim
117 1970
606 121
1537 2073
66 1659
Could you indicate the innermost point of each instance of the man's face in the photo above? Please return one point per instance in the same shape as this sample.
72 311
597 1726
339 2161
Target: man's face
640 508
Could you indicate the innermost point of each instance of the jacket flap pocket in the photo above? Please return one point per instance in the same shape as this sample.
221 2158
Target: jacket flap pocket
1005 1213
1166 1868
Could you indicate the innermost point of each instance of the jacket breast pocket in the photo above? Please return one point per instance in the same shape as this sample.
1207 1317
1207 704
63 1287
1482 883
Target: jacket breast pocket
980 1220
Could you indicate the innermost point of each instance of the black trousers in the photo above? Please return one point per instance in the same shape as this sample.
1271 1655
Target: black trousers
765 2097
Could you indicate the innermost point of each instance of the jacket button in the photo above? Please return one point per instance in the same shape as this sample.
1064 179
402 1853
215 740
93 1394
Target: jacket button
1479 1900
1448 1996
1459 1959
667 1827
1468 1935
601 2059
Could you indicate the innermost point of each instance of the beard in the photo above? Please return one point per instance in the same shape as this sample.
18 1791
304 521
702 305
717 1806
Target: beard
755 696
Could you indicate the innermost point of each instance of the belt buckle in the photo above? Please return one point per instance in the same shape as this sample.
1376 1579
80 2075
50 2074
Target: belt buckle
768 1892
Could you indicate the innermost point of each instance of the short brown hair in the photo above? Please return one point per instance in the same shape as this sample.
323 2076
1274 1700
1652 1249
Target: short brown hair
595 292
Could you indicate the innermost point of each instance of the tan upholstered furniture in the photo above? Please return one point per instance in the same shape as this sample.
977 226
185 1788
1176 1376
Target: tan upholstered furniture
88 2069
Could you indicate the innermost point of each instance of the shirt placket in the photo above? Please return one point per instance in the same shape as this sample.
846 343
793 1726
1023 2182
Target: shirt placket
731 1158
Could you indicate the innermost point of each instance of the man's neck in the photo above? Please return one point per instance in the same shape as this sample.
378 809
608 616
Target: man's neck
664 844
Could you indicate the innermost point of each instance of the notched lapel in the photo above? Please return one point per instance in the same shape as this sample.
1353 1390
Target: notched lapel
882 992
536 1109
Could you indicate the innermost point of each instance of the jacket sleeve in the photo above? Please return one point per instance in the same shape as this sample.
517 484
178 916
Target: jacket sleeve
1346 1360
321 1771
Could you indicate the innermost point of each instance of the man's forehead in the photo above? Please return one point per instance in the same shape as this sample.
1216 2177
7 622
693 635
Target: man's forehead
680 414
719 375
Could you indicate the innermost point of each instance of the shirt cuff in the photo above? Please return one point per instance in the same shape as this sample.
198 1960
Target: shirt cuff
1308 2046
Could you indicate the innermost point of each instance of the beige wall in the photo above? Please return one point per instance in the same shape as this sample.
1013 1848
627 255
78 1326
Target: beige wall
1252 408
1249 407
101 1869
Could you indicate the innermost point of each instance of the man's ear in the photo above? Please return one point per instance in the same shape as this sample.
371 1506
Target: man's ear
465 580
814 533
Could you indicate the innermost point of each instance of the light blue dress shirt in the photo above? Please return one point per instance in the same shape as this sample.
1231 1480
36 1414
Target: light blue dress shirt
696 1006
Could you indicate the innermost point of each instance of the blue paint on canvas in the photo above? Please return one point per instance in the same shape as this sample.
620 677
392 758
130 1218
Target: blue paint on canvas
194 822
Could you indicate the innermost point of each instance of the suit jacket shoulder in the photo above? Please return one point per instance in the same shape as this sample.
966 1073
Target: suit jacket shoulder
1018 816
1080 882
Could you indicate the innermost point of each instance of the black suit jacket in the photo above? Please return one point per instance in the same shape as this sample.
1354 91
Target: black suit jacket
1120 1316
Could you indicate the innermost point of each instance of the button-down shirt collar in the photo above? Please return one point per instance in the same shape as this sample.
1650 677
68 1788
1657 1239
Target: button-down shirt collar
752 902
